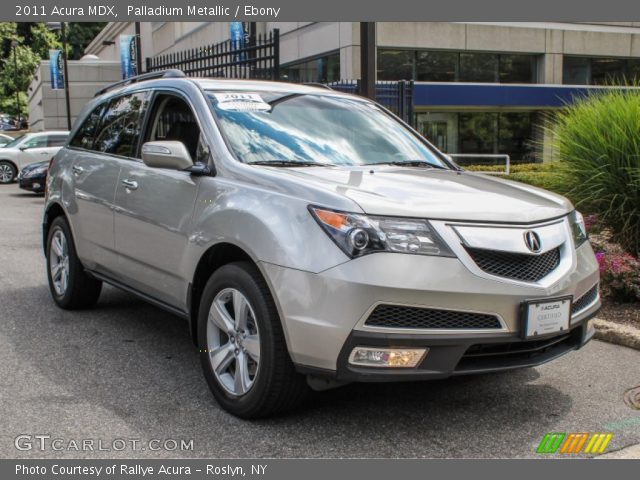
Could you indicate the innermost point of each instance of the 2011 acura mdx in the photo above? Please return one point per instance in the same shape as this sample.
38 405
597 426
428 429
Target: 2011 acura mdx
310 238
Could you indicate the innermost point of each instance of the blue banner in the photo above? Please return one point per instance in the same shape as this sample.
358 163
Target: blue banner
56 69
128 57
236 34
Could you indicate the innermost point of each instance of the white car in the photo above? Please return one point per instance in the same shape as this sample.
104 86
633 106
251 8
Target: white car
27 149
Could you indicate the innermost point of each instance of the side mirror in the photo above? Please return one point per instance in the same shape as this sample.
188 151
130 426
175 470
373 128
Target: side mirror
166 154
22 149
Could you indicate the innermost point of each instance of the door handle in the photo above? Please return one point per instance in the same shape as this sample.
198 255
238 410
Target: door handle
77 170
130 184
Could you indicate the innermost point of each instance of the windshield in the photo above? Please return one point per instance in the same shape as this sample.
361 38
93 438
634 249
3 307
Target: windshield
15 142
315 129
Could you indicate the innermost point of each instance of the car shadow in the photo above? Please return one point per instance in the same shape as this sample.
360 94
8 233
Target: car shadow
138 362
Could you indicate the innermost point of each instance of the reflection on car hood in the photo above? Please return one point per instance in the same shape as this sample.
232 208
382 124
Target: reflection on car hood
33 166
437 194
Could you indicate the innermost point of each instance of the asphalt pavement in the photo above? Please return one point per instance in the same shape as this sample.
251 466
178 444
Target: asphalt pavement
127 372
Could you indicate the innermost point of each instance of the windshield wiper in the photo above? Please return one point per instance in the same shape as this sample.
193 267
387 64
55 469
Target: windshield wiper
289 163
413 163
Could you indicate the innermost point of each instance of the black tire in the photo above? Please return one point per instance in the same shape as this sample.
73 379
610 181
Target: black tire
277 387
7 168
82 290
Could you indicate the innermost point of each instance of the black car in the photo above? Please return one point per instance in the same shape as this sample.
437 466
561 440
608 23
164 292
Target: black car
34 176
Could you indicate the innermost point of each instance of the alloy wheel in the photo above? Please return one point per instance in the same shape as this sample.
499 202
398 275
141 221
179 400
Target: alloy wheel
6 173
59 262
233 341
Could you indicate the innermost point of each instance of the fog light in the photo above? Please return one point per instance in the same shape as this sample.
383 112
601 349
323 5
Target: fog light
387 357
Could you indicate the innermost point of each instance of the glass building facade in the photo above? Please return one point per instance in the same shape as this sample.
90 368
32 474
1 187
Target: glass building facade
513 133
599 70
471 132
324 69
452 66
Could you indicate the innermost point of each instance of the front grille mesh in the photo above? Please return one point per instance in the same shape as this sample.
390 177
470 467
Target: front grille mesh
396 316
585 300
518 266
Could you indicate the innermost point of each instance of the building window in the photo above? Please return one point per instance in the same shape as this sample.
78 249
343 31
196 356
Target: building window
600 70
511 133
448 66
323 69
435 66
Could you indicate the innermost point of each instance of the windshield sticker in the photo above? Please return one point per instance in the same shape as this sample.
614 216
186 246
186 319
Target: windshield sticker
241 102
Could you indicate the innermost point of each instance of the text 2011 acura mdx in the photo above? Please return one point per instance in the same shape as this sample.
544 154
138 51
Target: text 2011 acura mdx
310 238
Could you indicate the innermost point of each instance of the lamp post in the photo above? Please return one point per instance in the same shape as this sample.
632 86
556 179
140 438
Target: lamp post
14 45
368 59
138 50
63 36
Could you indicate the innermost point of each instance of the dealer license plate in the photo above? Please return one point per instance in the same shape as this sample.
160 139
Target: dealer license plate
547 317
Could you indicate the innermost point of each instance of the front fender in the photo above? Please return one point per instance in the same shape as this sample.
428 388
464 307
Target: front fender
272 227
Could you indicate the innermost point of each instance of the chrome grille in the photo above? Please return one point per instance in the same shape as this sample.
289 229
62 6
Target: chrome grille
397 316
518 266
585 300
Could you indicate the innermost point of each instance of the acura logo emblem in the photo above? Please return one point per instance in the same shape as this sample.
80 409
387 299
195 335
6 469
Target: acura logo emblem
532 241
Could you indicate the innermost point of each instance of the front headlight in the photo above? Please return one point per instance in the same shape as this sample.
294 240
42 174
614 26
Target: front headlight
35 171
358 234
578 228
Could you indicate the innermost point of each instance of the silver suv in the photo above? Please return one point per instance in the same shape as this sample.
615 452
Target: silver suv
310 239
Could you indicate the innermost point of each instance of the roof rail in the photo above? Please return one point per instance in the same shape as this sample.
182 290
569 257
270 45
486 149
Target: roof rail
172 73
317 84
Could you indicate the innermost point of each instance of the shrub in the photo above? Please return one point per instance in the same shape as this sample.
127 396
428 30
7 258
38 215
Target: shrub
543 175
597 142
619 270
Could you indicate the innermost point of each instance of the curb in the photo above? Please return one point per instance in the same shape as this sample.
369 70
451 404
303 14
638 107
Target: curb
629 452
616 333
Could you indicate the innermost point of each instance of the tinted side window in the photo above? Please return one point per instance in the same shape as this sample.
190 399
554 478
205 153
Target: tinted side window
36 142
173 119
119 130
56 140
85 134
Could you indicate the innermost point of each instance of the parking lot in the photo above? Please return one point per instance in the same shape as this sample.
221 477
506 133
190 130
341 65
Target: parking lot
127 370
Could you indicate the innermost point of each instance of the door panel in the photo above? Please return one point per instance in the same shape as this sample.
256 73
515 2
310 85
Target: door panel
153 214
94 178
33 155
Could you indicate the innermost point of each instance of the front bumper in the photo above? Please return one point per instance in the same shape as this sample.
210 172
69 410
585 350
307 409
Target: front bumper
33 184
456 354
324 314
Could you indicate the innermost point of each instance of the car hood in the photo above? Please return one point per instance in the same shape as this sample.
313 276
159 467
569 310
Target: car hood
33 166
437 194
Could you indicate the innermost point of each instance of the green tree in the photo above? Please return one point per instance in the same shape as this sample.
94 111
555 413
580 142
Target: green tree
42 40
79 35
27 62
33 42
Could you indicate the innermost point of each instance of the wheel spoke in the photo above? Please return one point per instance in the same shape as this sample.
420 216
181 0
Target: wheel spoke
219 316
221 358
56 271
240 310
64 280
56 246
252 346
241 380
